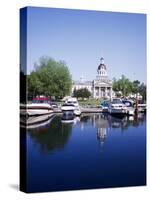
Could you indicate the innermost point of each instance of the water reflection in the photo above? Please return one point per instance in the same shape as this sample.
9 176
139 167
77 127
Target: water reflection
52 136
104 122
35 121
56 132
92 151
102 125
101 134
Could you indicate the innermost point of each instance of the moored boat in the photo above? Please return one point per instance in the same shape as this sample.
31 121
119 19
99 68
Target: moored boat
77 111
39 106
117 107
105 106
129 107
73 101
67 111
67 107
142 107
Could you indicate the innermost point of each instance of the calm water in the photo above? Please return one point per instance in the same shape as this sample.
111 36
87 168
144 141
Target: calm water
93 151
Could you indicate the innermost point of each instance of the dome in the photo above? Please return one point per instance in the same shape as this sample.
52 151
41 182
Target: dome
102 66
102 70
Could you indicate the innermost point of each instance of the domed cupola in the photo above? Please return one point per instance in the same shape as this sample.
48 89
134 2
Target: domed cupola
102 70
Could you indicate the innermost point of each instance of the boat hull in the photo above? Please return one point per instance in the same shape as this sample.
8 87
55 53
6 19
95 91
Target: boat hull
77 112
67 115
35 109
105 110
35 112
67 109
118 112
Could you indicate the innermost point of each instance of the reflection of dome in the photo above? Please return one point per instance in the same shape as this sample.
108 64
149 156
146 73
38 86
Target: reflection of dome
101 134
99 121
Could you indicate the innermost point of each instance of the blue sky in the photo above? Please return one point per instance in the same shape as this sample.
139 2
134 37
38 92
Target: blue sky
80 38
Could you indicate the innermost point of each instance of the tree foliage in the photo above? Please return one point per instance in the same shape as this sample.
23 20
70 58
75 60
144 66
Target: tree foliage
123 84
49 78
126 87
142 91
81 93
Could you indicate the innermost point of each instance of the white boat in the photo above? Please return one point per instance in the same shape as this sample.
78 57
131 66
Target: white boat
73 101
67 107
129 106
67 112
142 107
117 107
39 106
77 111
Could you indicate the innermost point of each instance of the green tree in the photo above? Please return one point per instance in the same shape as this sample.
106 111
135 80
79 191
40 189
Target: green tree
127 87
75 92
142 91
123 85
34 85
49 78
136 85
82 93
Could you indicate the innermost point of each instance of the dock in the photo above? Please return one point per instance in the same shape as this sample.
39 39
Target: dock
83 110
91 110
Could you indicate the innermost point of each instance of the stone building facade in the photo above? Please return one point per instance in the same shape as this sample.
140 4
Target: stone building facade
101 87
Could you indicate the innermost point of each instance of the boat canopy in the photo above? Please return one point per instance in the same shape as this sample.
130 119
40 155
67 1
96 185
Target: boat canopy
41 100
127 103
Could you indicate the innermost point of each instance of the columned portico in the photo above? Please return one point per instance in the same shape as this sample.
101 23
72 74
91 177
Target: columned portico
102 86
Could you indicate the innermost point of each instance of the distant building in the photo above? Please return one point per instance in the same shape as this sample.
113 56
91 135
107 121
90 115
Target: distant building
101 87
82 84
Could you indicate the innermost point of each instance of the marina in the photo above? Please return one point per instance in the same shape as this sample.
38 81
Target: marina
92 145
83 99
90 151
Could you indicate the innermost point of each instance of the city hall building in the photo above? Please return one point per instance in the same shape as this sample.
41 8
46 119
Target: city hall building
101 87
